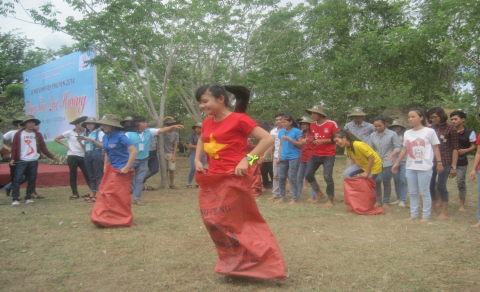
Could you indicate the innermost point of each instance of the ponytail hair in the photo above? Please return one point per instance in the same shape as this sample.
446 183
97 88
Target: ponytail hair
343 133
241 93
291 119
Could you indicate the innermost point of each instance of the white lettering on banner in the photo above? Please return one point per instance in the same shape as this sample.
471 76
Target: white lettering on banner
75 101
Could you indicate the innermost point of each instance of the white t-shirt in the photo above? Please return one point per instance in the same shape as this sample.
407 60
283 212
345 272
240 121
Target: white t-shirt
274 133
75 146
8 136
28 150
420 148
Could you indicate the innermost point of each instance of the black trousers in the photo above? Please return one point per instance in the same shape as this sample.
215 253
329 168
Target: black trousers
267 170
73 163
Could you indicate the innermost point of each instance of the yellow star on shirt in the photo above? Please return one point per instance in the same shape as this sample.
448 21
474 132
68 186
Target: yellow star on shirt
212 147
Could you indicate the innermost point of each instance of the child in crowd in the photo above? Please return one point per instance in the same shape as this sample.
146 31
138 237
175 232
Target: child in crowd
75 154
387 145
324 151
399 178
305 155
364 160
466 144
27 144
93 156
419 145
289 157
448 137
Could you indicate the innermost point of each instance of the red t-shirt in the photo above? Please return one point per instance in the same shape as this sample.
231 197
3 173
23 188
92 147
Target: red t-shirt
323 131
478 143
307 150
225 142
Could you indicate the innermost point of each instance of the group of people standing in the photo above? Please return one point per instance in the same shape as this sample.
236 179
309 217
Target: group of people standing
419 160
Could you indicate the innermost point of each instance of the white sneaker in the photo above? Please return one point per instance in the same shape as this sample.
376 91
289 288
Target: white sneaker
28 202
401 204
15 203
396 202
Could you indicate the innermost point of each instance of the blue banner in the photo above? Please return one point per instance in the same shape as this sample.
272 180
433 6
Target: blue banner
58 92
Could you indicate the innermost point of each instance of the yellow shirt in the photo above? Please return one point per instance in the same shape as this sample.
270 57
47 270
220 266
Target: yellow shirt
362 153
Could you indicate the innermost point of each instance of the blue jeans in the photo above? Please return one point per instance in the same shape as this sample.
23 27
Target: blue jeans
400 181
27 169
94 165
419 181
191 174
136 184
300 178
290 167
312 166
439 182
353 170
153 165
384 177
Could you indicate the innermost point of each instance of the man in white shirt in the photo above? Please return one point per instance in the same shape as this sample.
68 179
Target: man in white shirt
274 132
75 154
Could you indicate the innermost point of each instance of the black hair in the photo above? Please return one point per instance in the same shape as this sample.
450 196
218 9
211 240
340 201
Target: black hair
279 115
343 133
380 118
241 93
420 112
290 119
460 114
440 112
304 132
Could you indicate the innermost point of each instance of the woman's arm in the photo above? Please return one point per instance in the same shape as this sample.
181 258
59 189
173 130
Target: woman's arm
476 162
265 140
439 158
371 161
299 144
198 154
131 159
400 158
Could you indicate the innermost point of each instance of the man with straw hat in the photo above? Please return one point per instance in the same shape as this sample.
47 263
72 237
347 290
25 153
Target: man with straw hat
170 143
321 131
75 153
358 126
399 177
27 145
142 139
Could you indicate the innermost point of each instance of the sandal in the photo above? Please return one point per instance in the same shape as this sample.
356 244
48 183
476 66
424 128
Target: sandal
149 188
86 196
91 200
189 186
74 197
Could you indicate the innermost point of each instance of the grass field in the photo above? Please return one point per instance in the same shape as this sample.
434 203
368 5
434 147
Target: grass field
52 246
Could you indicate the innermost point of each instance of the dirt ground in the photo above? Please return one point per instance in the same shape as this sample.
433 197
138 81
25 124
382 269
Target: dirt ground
52 246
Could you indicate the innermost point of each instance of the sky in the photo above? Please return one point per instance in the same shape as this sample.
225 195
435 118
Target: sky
44 37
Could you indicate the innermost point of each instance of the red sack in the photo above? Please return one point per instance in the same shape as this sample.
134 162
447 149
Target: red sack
360 196
113 207
254 170
245 244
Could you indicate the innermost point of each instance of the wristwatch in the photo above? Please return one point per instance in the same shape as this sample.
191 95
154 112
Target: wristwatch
251 158
454 167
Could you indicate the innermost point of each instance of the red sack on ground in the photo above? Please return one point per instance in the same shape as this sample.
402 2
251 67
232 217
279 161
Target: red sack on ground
245 244
113 207
360 196
254 170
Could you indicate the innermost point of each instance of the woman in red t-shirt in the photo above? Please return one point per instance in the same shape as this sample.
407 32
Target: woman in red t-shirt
228 209
305 155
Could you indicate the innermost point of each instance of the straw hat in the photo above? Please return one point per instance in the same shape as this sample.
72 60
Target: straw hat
90 120
171 122
197 125
29 118
317 109
127 119
356 112
397 123
110 120
18 120
305 120
78 120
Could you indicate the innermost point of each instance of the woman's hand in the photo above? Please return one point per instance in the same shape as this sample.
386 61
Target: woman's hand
439 168
364 175
88 139
453 173
286 138
472 174
124 170
242 167
317 142
394 168
199 166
